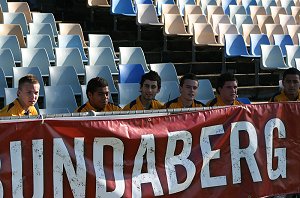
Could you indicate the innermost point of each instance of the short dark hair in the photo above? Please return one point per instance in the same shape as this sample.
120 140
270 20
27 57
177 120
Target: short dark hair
291 71
29 78
223 78
188 76
153 76
94 84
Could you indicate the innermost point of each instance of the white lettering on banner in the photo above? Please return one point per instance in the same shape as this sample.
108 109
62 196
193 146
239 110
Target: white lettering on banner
182 159
16 168
62 159
38 168
208 154
118 152
147 146
247 153
278 152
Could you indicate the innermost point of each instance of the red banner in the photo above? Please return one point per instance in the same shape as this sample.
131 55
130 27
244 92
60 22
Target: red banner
242 151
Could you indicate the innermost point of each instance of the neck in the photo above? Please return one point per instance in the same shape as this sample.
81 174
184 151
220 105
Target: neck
145 103
186 103
292 97
227 102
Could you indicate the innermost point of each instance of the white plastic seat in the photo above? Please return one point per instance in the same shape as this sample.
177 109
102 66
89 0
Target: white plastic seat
101 40
271 58
293 31
16 18
61 96
11 42
20 7
235 9
293 52
275 12
286 20
169 90
65 75
218 19
133 55
69 57
39 17
226 29
127 93
36 57
195 18
103 71
205 91
241 19
71 29
43 28
166 71
7 62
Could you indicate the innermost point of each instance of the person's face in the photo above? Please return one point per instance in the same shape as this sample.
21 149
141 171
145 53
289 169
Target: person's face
149 90
229 91
28 94
189 89
99 98
291 84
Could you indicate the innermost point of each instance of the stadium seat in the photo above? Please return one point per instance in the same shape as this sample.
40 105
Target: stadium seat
61 96
286 20
296 13
102 56
16 18
11 42
262 20
71 29
249 29
275 12
244 100
65 75
182 3
4 6
72 41
168 9
218 19
255 41
195 18
267 4
214 9
282 40
20 7
7 62
70 57
127 93
226 29
287 4
98 3
293 52
103 71
191 9
38 17
166 71
41 41
271 58
43 28
146 16
122 7
205 3
242 19
19 72
272 29
102 40
3 83
169 90
256 10
13 29
247 4
235 9
160 3
36 57
293 31
205 91
130 73
133 55
225 5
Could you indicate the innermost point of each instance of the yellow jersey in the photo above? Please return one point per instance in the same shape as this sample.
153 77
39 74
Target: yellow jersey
137 105
177 103
15 109
281 97
217 101
88 107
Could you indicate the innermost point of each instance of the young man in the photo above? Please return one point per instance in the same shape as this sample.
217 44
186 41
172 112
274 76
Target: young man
28 94
188 91
98 95
291 85
149 86
226 90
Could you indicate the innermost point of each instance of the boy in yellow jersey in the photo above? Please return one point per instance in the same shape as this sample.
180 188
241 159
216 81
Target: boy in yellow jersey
98 95
149 86
226 90
188 91
28 94
291 85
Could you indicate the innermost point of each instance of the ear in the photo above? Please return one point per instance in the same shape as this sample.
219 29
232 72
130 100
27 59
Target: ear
180 89
89 95
18 92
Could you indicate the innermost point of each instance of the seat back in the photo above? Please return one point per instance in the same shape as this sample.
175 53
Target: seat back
296 13
218 19
275 12
235 9
213 9
160 3
19 72
128 92
195 18
293 52
133 55
4 5
255 41
203 34
191 9
226 29
16 18
282 40
43 28
249 29
287 5
286 20
182 3
272 29
241 19
101 40
173 25
262 20
226 4
36 57
61 96
70 29
146 14
20 7
38 17
271 58
130 73
235 45
103 71
205 91
247 4
267 4
256 10
205 3
166 71
293 31
13 29
7 62
122 7
169 90
168 9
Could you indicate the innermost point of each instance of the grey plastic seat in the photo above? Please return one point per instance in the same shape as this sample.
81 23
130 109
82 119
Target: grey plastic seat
69 57
7 62
103 56
16 18
11 42
166 71
19 72
41 41
293 52
133 55
36 57
205 91
3 83
169 90
43 28
103 71
61 96
65 75
272 58
128 92
101 40
10 94
38 17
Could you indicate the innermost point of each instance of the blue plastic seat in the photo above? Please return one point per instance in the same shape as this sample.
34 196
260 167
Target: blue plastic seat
205 91
235 46
122 7
169 90
244 100
130 73
255 41
4 6
128 92
282 40
225 5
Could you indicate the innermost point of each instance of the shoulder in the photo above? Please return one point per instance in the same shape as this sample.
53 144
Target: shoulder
212 102
168 104
274 98
199 104
81 108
